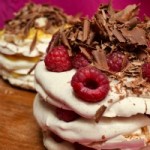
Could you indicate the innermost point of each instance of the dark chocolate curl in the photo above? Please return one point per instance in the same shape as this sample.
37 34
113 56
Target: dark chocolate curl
135 36
86 29
33 44
118 35
99 113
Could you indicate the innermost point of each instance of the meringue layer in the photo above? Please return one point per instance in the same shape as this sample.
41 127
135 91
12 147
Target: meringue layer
16 60
109 131
49 84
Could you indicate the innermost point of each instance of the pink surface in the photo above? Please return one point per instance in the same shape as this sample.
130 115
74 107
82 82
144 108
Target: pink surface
85 7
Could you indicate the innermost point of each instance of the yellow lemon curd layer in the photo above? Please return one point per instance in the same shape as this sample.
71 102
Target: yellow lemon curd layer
40 33
1 32
20 57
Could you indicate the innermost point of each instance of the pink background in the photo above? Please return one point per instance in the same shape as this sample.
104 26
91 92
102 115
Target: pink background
85 7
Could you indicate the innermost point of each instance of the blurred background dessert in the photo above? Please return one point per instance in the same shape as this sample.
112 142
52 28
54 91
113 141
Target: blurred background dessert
24 39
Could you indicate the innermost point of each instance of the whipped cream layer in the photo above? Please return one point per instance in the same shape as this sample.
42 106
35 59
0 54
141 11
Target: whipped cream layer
16 64
100 133
16 60
23 81
56 89
124 144
51 144
22 47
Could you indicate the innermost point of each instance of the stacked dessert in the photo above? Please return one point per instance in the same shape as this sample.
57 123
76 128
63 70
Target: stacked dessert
93 84
24 39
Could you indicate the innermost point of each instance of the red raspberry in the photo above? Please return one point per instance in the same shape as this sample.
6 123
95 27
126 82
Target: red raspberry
146 71
58 60
56 138
81 147
79 61
66 115
90 84
116 60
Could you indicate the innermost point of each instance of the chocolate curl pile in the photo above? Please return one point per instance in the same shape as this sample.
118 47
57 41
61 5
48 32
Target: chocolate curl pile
27 17
121 25
110 30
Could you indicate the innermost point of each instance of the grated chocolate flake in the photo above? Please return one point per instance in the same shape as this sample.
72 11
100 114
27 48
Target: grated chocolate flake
99 113
54 41
135 36
86 54
126 14
33 44
32 69
132 22
66 43
86 29
90 38
100 58
118 35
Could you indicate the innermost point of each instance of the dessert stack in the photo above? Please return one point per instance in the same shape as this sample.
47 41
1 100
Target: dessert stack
93 84
24 39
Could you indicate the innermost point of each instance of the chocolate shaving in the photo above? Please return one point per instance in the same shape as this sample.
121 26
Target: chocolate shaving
132 22
136 35
103 26
54 41
110 8
66 43
118 35
90 38
27 27
86 46
100 58
99 113
86 29
126 14
124 62
73 36
80 35
84 51
33 44
34 66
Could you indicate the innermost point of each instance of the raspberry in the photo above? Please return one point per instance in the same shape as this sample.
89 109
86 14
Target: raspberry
56 138
66 115
146 71
90 84
81 147
79 61
58 60
116 61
